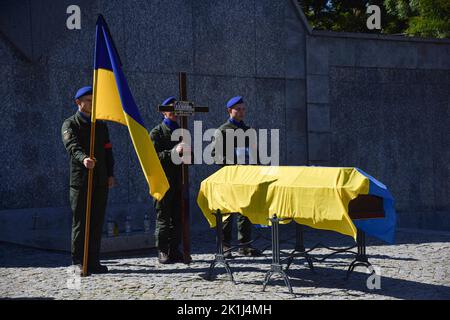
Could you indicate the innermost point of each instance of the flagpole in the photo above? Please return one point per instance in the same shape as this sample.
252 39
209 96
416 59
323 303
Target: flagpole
90 178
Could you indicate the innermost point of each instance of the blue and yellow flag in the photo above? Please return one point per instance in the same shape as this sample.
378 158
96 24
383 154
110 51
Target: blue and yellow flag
113 101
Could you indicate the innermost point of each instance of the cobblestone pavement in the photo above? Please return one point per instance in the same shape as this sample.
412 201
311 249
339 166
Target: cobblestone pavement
417 267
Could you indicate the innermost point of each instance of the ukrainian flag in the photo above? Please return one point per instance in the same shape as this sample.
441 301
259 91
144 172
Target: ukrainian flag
113 101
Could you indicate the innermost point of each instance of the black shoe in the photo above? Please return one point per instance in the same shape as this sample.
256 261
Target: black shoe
98 269
163 257
250 252
227 252
176 256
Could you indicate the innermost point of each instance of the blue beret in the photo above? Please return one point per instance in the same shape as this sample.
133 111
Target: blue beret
168 101
83 92
235 100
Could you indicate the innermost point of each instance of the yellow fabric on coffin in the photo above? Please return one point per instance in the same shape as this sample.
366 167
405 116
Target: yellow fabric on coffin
314 196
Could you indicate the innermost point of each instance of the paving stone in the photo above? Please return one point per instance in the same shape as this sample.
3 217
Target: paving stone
415 268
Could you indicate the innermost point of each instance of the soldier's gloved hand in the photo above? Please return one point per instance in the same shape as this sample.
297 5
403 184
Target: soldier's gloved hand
89 163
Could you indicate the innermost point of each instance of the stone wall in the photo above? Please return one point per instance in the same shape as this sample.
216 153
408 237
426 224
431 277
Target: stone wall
382 104
252 48
379 103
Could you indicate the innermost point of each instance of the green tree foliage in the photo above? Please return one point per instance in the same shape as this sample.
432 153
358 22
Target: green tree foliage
427 18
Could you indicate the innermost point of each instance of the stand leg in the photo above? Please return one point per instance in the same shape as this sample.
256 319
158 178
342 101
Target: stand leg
219 259
299 250
361 259
276 266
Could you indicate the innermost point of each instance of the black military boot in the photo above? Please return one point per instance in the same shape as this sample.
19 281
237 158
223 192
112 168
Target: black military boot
249 251
175 255
98 269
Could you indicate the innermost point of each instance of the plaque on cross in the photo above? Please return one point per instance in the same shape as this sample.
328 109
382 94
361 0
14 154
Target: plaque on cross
184 109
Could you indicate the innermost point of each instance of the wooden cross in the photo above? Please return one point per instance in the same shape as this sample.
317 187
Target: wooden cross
184 109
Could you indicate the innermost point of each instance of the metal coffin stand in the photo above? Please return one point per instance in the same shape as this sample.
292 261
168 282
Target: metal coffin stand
219 258
362 207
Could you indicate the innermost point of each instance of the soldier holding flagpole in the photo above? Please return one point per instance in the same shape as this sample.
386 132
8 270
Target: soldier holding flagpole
109 99
76 138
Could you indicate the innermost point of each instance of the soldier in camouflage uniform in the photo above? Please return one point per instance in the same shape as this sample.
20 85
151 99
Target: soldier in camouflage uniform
168 210
236 112
76 138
